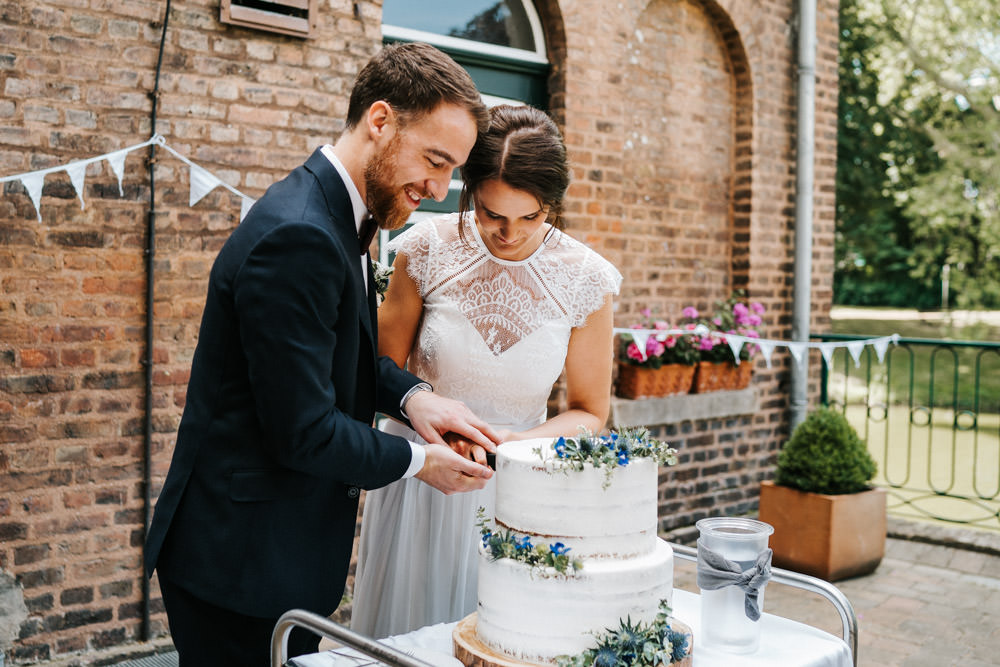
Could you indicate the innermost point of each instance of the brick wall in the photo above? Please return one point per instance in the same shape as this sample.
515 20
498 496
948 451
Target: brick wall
679 117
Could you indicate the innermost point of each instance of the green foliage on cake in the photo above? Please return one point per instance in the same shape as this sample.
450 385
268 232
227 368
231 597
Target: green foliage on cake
635 645
609 452
505 544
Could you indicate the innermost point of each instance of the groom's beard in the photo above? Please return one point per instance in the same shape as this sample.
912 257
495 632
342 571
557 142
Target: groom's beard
386 201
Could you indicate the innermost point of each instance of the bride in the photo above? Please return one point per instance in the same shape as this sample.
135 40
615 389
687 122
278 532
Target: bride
490 305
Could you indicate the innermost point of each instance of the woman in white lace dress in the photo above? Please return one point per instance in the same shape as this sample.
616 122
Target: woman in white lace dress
490 306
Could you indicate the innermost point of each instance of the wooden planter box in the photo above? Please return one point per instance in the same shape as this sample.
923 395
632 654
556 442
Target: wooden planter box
832 537
640 382
722 375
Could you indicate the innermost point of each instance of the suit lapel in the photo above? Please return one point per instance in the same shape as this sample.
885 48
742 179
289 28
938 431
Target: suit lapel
342 218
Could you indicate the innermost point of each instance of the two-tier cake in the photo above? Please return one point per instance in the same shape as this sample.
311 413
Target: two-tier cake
603 518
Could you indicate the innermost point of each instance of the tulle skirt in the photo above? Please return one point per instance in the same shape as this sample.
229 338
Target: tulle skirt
417 556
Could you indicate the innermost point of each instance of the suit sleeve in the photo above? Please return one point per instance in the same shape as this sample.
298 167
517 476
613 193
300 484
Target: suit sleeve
289 295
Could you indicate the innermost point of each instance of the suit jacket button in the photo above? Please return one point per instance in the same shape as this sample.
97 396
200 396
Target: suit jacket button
353 492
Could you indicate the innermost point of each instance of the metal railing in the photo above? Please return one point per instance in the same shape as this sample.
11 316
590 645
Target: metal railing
384 654
930 413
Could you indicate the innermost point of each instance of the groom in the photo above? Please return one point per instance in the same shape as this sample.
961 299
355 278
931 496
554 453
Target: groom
258 511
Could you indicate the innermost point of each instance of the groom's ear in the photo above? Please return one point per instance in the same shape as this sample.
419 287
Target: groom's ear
380 121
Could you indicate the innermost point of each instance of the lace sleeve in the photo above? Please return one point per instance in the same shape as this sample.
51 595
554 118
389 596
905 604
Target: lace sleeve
578 278
416 243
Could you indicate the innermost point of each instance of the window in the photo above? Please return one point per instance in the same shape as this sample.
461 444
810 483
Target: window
501 45
288 17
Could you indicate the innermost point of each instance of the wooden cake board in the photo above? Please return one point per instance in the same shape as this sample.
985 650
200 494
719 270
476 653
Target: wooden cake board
473 653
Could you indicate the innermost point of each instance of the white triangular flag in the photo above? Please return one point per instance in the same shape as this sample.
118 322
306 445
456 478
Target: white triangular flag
855 349
245 206
202 182
33 184
766 348
640 342
735 344
827 350
881 345
797 350
77 171
117 162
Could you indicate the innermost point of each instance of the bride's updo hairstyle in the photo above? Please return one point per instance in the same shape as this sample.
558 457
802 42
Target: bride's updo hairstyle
524 149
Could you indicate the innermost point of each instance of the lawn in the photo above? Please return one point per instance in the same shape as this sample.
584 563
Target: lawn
937 457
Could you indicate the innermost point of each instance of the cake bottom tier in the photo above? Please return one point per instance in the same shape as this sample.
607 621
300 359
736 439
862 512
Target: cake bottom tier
536 615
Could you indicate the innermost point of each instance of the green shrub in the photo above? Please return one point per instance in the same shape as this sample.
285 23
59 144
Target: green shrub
825 455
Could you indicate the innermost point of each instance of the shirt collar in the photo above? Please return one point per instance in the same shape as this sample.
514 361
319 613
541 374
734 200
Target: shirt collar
357 203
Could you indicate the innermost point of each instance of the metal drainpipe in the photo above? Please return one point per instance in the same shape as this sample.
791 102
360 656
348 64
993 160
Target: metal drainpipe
147 362
805 155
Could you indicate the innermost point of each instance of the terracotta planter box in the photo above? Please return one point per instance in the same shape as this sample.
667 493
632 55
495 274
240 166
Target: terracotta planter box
830 537
722 375
640 382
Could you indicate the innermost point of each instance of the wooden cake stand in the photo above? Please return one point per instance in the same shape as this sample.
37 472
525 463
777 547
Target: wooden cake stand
473 653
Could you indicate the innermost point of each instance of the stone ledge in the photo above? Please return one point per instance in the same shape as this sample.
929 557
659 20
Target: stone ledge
682 407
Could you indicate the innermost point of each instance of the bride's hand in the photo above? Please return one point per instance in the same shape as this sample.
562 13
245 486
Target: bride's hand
466 448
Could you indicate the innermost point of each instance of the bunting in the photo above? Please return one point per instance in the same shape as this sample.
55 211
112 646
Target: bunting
201 180
766 345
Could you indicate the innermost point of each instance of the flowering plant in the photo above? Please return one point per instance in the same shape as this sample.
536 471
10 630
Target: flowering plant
660 348
506 544
610 451
382 273
732 316
635 645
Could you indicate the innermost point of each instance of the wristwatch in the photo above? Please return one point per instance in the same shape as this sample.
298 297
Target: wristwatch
420 386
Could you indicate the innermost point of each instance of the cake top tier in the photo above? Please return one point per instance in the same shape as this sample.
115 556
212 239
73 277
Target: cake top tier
600 503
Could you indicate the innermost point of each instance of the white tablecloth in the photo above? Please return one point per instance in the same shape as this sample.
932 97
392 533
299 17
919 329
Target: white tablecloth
783 643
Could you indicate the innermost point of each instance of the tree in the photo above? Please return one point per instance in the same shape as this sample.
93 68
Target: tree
919 106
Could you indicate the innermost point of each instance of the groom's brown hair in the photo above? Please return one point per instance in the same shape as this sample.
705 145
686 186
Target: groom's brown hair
414 78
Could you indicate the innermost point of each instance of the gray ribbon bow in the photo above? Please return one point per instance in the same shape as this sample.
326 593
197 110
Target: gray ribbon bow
715 572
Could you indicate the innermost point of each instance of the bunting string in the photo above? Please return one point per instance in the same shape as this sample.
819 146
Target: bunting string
202 181
766 345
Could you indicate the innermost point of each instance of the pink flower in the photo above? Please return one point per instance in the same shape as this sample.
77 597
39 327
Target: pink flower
654 348
706 343
670 341
660 325
690 312
757 307
633 352
645 312
754 320
740 310
717 321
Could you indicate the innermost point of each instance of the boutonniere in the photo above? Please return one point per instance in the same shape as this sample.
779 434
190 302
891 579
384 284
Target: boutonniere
382 273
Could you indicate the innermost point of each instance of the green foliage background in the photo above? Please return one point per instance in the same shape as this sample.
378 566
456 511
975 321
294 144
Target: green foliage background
918 185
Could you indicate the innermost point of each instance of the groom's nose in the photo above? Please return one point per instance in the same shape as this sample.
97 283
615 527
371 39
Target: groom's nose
437 188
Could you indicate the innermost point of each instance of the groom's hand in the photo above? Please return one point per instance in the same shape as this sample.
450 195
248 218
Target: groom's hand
450 473
432 416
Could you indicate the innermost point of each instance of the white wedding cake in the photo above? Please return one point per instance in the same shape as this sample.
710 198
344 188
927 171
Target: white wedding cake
604 519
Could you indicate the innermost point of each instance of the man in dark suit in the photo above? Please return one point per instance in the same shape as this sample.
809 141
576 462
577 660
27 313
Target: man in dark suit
257 513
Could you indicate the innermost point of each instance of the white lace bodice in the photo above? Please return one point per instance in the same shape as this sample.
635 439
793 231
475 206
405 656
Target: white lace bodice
495 332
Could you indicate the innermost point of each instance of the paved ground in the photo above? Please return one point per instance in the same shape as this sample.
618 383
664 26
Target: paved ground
927 605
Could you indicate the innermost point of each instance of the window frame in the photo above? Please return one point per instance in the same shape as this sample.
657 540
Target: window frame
232 12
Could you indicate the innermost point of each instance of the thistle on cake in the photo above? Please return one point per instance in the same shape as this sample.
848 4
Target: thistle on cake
609 451
636 645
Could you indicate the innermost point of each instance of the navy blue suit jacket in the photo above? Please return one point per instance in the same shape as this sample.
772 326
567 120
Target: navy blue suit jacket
258 510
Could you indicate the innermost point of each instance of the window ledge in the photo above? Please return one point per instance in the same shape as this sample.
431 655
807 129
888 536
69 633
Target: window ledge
683 407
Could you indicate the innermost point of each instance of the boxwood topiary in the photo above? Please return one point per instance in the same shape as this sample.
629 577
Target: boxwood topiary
825 455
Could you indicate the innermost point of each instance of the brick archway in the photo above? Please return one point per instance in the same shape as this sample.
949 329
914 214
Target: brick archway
686 168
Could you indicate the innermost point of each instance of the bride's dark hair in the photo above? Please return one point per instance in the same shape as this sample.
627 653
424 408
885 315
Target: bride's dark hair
524 149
